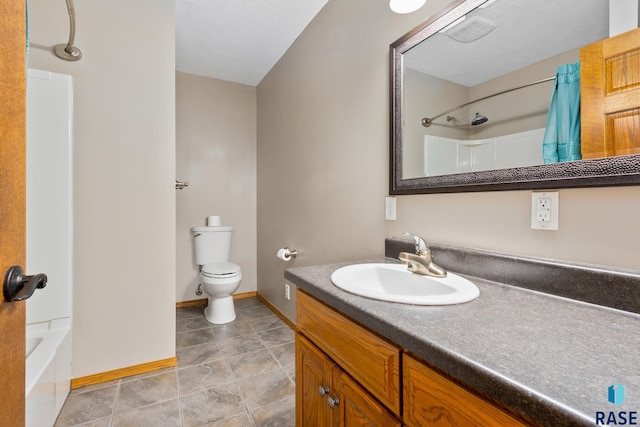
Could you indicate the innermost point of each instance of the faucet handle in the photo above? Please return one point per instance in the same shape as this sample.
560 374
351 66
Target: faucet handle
421 244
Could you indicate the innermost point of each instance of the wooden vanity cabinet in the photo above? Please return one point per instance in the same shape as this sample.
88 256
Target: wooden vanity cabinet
370 360
340 362
327 396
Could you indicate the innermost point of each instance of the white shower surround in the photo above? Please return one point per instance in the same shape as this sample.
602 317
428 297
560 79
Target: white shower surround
444 156
49 244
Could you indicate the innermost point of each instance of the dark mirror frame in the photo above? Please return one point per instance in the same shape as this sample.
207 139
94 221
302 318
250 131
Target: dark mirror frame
611 171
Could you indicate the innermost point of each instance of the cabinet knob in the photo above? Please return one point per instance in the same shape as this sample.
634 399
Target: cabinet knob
323 390
333 402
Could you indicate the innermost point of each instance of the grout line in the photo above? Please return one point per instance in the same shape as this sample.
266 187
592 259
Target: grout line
235 382
137 408
244 403
115 403
179 391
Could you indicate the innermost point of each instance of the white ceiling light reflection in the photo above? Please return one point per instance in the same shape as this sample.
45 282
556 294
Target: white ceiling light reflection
406 6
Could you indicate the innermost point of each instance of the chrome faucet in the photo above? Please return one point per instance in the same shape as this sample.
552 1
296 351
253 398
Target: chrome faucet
421 262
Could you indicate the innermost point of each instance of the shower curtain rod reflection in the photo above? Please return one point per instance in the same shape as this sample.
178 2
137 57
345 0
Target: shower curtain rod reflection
68 51
426 122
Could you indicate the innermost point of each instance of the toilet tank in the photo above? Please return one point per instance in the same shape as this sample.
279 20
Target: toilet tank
211 244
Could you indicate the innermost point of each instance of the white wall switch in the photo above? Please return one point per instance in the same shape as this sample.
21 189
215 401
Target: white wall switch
544 210
390 208
287 291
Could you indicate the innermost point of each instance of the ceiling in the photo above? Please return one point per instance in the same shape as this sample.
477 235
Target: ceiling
526 32
238 40
241 40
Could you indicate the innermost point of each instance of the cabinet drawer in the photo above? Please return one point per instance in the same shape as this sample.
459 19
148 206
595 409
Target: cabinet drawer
431 399
370 360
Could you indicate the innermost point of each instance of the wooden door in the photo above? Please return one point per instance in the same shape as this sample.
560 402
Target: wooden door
313 371
12 205
356 408
610 96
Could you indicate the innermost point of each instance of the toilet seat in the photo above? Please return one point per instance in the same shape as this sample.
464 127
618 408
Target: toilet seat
220 270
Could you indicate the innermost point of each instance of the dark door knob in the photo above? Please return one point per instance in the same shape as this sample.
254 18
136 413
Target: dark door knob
18 287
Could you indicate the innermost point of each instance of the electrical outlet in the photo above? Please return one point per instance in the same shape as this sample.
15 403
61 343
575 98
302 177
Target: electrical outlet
544 203
544 210
543 215
390 208
287 291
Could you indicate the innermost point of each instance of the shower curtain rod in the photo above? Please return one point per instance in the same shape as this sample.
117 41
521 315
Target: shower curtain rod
68 51
426 122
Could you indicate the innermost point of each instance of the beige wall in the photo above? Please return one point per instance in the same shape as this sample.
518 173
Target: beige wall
323 132
216 154
427 96
323 138
124 167
508 113
596 225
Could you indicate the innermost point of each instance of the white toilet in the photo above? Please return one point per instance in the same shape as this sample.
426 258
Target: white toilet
219 277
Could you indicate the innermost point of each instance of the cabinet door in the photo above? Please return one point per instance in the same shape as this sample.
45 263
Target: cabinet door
313 372
369 359
355 407
432 400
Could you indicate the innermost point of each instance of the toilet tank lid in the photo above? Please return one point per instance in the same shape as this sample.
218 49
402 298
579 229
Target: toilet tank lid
207 229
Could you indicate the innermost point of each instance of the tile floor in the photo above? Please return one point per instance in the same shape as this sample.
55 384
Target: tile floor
238 374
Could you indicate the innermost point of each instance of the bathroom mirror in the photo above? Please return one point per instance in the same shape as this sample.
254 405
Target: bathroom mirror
477 49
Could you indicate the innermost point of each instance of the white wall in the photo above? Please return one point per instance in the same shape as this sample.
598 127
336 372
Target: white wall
216 154
124 170
624 15
323 149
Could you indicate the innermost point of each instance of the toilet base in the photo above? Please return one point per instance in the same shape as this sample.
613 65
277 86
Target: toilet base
220 310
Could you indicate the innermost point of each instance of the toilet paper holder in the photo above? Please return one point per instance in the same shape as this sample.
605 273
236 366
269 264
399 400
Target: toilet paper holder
286 254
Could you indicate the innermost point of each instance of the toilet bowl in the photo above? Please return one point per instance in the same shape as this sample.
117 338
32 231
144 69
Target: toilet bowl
219 281
219 278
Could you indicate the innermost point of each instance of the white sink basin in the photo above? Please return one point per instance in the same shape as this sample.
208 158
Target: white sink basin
394 283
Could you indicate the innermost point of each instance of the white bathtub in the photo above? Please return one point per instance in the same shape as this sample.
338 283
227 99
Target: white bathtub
48 370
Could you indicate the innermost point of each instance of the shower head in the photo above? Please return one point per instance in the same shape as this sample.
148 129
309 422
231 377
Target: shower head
478 119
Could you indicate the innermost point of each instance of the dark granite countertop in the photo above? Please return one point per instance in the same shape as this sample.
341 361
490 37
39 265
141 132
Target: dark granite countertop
549 358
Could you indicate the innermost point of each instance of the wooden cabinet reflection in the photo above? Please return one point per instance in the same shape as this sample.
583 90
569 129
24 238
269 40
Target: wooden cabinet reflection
610 103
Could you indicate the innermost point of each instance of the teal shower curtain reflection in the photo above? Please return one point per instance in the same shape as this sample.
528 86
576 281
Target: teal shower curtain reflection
26 17
562 135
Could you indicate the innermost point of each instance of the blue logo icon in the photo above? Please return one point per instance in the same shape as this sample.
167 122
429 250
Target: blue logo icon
616 394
